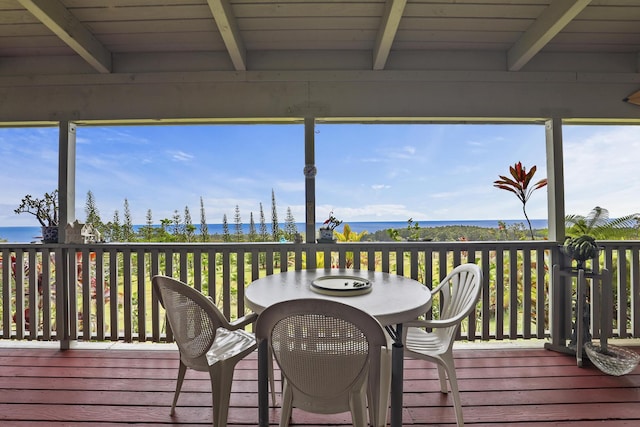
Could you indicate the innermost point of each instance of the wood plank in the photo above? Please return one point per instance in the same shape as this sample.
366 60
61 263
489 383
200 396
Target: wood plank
109 387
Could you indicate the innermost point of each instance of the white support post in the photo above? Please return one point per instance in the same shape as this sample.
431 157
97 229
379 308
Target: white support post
560 304
555 177
310 179
66 199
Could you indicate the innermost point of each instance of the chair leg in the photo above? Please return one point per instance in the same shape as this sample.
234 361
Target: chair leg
272 381
442 374
182 370
380 419
221 374
455 393
358 405
287 405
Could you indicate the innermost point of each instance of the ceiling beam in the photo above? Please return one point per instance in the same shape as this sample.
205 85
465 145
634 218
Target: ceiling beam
228 27
63 24
549 23
387 32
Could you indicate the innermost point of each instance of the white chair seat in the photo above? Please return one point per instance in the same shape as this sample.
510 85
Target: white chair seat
229 343
419 340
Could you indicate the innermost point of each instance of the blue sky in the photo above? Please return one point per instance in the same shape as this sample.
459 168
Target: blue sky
365 172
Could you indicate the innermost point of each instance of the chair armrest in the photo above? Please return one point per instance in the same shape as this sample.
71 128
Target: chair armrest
243 321
431 323
240 322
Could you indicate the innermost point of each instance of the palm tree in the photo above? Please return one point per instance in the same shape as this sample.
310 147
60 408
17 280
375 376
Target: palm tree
519 185
598 224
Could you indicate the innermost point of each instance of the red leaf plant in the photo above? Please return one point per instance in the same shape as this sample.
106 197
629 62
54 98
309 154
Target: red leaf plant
519 185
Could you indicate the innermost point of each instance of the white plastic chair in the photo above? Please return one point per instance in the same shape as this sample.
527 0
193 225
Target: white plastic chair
325 350
458 294
206 339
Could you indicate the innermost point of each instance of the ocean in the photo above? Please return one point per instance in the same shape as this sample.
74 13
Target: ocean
32 234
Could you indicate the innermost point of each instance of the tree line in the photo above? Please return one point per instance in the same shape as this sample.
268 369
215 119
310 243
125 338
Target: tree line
180 227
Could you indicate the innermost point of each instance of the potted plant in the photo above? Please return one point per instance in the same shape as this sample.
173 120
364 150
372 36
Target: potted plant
581 249
326 231
45 209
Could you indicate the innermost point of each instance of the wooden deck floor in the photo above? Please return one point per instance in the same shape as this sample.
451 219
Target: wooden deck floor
116 386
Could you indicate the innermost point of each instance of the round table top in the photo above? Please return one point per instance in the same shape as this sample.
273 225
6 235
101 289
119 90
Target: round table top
393 299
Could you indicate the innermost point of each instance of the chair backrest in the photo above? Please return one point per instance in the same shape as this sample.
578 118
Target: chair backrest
459 293
193 318
324 349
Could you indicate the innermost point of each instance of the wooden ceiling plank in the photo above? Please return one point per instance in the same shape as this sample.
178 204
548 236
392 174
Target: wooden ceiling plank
58 19
228 27
549 24
386 34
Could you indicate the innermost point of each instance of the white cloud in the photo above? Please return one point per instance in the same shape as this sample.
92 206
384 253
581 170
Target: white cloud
380 186
180 156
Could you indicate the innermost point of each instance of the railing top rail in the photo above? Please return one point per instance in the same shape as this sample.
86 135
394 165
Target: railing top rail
529 244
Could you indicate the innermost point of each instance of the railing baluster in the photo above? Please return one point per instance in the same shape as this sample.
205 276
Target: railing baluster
635 292
72 271
114 297
513 293
269 261
197 268
284 258
486 293
154 267
142 295
34 297
542 290
212 258
240 283
622 296
183 263
100 294
19 291
471 331
385 261
84 267
226 283
6 293
127 295
298 259
45 281
526 298
499 287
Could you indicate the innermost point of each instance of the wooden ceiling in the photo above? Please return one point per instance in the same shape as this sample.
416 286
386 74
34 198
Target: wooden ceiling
259 59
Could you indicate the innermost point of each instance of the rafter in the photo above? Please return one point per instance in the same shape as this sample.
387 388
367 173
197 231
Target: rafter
228 27
387 32
549 23
63 24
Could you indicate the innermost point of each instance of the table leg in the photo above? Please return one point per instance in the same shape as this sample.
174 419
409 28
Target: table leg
397 375
263 384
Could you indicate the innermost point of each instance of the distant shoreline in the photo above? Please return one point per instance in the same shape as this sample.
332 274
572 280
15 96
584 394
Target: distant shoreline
22 234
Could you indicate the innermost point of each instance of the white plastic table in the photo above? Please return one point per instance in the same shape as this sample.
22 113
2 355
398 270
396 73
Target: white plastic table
393 300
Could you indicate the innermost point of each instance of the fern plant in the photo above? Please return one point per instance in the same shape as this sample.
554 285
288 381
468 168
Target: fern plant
599 225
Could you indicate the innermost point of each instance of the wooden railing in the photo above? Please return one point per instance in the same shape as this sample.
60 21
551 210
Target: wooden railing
112 300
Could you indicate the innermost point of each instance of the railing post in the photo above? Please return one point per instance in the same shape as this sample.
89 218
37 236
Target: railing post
62 297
